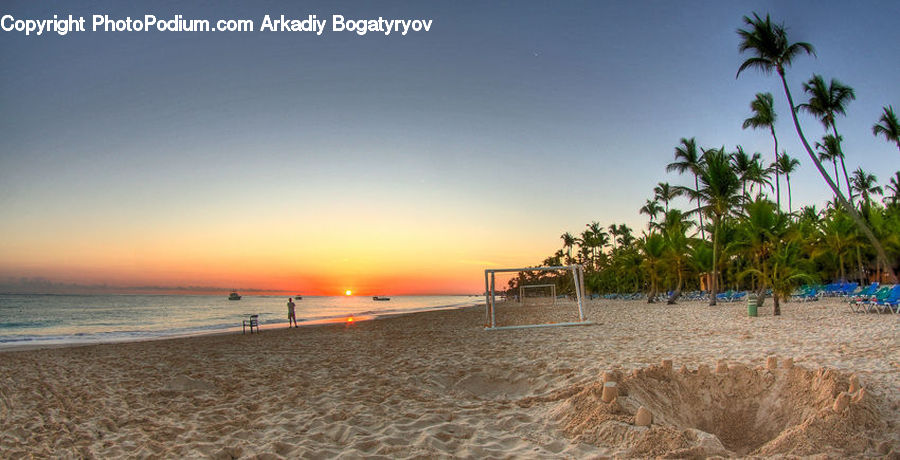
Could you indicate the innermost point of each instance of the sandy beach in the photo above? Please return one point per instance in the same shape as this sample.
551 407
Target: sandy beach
436 384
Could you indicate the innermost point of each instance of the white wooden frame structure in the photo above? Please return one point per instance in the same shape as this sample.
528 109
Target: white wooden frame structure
535 286
489 289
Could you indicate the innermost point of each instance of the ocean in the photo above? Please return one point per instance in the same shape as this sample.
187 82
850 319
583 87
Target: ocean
75 319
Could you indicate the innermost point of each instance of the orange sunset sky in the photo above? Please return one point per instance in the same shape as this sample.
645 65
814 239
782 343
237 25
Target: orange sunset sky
305 164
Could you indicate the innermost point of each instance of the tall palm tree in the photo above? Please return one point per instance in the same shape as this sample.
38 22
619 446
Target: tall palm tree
865 185
787 165
651 209
889 127
771 50
665 193
830 150
720 190
826 100
568 242
688 158
764 116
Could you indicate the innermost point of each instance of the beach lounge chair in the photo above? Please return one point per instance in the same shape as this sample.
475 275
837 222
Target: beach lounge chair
856 299
891 301
848 289
252 322
871 304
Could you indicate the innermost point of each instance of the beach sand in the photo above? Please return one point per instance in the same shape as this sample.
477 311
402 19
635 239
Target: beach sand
436 384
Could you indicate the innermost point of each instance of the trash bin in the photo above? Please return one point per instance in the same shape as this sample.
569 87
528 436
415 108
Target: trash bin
752 304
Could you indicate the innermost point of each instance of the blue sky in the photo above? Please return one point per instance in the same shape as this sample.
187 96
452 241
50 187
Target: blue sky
509 123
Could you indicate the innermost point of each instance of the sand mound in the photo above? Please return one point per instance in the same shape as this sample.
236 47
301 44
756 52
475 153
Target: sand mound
736 410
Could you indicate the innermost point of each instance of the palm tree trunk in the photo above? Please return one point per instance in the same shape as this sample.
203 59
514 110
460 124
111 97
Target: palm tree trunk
859 265
777 181
714 279
787 178
841 264
843 166
677 293
837 179
847 206
697 189
775 299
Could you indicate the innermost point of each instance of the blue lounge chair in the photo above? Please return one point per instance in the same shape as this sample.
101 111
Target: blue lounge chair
890 302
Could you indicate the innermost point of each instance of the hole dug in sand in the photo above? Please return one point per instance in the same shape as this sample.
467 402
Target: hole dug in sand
736 410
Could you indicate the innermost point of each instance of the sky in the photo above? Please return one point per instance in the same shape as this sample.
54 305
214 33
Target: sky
291 162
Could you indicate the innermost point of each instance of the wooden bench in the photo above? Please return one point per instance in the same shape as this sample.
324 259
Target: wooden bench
252 322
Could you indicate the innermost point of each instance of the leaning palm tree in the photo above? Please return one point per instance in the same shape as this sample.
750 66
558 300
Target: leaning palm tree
889 127
787 165
720 190
830 150
688 158
764 116
865 185
771 50
826 101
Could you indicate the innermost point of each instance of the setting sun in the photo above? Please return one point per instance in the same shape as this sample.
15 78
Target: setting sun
348 292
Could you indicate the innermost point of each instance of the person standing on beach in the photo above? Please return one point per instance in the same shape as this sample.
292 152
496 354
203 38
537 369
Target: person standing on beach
291 315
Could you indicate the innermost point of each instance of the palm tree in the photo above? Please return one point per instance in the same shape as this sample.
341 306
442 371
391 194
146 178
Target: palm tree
894 187
764 116
787 165
568 242
784 271
769 44
758 175
625 236
757 236
825 102
838 239
720 190
665 193
749 169
687 158
614 232
653 249
740 162
865 185
889 127
652 209
830 150
677 249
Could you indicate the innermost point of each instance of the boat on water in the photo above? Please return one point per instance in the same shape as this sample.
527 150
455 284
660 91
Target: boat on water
298 297
380 298
234 296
